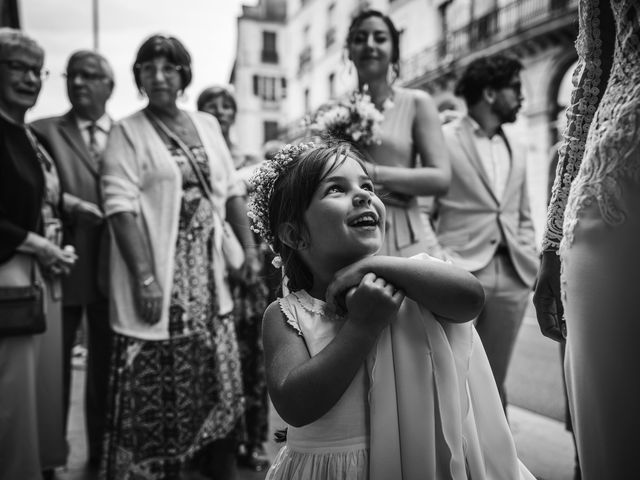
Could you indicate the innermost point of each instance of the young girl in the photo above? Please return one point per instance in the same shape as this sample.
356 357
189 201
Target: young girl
353 413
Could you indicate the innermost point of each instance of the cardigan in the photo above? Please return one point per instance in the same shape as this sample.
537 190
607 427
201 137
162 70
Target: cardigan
21 188
140 176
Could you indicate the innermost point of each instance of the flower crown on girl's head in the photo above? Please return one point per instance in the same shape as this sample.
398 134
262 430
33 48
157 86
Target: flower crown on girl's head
262 183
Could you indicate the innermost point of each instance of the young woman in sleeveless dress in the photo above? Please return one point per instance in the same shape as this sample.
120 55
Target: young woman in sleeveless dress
594 224
411 160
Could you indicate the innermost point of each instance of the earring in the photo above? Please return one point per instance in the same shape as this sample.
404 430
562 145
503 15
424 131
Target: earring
392 75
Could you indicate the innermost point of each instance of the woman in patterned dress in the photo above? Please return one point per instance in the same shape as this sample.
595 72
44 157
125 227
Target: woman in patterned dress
168 183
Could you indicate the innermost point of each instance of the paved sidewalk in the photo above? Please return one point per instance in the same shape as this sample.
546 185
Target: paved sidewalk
542 443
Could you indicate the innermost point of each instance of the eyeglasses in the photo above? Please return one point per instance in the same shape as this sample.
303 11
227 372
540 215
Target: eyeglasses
84 76
150 69
22 68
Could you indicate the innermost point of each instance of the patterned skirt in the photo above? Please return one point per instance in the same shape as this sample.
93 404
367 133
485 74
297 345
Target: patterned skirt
169 399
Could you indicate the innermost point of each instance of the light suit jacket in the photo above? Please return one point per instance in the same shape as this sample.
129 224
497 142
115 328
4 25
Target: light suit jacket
79 176
470 221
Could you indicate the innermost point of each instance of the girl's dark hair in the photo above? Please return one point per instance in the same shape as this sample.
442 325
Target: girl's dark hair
210 93
164 47
495 71
395 35
291 196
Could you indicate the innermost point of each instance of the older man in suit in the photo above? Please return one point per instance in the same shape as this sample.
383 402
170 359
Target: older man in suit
76 141
484 221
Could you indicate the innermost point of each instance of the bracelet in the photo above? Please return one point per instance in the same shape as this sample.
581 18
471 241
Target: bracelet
148 281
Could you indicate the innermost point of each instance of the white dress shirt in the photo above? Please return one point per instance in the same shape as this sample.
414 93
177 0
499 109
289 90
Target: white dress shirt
103 125
495 157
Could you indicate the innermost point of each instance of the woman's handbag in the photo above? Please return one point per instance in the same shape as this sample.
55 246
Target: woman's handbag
232 249
21 298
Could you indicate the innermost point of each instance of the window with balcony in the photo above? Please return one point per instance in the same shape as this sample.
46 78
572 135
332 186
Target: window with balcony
443 15
332 85
304 59
269 50
307 100
269 89
270 130
330 34
330 37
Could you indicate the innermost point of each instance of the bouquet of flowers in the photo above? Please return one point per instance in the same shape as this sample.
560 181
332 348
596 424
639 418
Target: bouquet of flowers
354 119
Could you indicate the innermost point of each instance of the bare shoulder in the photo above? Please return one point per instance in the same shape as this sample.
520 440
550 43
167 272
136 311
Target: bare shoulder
273 311
275 322
419 96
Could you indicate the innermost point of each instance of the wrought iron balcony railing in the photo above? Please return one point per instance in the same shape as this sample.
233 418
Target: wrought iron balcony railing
499 24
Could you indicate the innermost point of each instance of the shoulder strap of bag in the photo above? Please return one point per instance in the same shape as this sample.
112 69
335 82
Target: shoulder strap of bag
167 132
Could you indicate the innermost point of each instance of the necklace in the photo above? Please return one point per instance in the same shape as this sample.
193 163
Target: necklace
381 102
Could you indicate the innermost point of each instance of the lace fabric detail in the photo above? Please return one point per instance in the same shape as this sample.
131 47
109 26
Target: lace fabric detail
593 170
584 100
309 304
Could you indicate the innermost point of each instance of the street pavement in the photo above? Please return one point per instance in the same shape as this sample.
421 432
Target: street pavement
536 413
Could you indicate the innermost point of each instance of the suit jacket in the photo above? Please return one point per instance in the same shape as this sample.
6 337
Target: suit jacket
470 221
79 176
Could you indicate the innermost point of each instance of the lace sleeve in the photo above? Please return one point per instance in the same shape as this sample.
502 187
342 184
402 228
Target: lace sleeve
289 313
589 82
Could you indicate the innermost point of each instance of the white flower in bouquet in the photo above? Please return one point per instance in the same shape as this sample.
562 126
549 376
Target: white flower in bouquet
355 119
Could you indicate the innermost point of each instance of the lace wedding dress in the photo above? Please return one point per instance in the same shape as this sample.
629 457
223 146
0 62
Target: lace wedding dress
594 221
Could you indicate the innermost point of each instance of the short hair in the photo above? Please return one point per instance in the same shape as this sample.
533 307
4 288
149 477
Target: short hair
171 48
12 39
393 31
102 61
291 196
495 71
215 91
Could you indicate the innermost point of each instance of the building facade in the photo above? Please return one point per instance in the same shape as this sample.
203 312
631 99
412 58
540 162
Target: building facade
9 16
438 39
259 74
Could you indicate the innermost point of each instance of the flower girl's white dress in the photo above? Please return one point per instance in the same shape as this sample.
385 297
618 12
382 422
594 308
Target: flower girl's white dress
431 411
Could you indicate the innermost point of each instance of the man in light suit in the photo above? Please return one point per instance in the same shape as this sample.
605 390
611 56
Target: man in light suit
76 140
484 221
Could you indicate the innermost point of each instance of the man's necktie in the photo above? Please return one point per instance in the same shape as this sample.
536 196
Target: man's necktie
93 143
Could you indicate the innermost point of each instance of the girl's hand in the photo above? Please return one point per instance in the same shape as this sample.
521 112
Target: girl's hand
374 303
149 302
347 278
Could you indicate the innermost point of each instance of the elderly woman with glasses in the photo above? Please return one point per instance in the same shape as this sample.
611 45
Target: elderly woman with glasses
31 418
169 183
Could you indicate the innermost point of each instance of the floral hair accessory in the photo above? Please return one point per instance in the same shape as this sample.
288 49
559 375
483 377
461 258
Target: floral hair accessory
355 119
262 183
